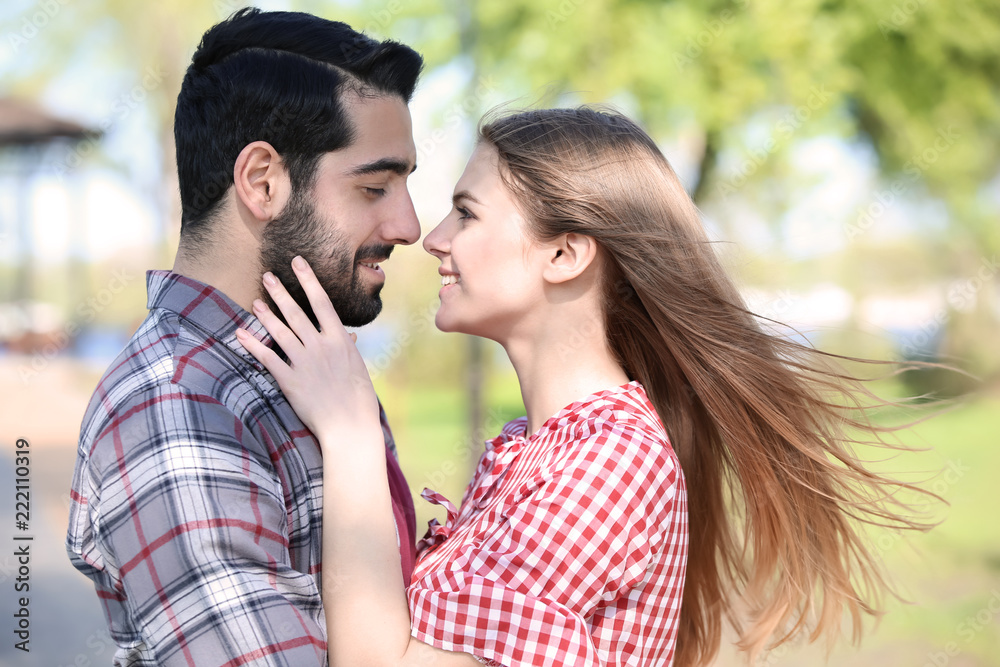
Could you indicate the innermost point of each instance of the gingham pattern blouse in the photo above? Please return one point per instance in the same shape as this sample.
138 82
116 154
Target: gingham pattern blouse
570 545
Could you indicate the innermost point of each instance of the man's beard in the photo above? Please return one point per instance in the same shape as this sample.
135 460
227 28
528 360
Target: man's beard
298 231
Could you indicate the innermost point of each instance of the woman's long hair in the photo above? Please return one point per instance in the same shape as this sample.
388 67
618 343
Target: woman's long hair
763 425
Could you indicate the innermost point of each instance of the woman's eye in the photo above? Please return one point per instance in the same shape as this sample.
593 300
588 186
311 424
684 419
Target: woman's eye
463 213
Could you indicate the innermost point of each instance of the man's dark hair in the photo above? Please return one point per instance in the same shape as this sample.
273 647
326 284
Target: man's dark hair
277 77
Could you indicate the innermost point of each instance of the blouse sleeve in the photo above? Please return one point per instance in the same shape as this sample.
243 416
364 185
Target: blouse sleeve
580 534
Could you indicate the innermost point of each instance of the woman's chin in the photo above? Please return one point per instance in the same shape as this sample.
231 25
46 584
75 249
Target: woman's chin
443 323
453 325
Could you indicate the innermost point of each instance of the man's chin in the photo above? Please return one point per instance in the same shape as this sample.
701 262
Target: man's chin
359 317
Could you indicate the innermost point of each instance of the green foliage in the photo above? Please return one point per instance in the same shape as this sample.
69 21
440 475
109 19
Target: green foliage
916 80
903 72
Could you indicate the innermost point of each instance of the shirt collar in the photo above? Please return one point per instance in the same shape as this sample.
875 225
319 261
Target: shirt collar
515 432
205 307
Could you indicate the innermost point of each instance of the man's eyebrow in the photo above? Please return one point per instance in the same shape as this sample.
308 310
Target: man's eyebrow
464 194
394 165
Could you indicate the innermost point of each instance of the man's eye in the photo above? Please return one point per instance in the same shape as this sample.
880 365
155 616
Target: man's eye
375 192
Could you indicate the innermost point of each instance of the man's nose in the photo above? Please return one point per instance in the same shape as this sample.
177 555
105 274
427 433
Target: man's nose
403 228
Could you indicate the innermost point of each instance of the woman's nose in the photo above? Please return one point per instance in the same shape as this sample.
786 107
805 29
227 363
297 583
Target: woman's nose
437 242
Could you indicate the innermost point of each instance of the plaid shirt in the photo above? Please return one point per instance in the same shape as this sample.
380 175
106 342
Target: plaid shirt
570 546
196 500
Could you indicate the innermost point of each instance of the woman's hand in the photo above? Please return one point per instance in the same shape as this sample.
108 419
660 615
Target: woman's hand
326 380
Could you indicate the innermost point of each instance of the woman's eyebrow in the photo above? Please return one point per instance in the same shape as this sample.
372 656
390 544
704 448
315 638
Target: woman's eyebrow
464 194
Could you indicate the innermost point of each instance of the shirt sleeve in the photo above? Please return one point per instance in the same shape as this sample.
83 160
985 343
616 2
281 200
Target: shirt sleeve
579 535
180 520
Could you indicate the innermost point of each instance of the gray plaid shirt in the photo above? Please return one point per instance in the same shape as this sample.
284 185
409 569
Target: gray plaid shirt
196 499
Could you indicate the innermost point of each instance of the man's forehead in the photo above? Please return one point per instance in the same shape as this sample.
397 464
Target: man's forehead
383 137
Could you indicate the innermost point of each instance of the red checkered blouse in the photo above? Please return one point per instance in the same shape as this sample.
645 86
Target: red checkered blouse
570 546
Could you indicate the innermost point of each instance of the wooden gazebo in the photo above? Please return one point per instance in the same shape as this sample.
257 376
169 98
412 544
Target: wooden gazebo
25 123
27 134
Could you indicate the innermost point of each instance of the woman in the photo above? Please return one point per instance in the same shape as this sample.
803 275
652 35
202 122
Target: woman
572 243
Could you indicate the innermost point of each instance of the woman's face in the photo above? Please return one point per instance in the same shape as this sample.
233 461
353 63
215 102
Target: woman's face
489 267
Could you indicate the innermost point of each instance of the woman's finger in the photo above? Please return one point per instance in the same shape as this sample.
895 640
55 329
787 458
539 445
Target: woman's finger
282 335
326 314
296 318
268 358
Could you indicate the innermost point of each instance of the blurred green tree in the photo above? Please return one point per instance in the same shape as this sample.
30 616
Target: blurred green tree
917 81
908 75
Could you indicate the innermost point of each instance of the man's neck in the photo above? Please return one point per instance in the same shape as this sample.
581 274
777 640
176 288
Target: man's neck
238 280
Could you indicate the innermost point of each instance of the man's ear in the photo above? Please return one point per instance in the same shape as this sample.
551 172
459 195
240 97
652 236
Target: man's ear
261 181
567 256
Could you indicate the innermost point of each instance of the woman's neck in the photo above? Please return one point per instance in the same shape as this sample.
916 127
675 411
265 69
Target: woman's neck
562 363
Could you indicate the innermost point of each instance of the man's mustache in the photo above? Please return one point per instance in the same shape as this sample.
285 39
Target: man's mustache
373 251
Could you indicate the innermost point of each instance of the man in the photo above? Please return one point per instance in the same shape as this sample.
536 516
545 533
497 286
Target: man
196 500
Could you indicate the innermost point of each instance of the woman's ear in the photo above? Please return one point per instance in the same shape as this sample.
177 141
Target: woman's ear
261 181
568 256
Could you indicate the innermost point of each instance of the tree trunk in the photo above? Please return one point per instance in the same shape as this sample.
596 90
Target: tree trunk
707 166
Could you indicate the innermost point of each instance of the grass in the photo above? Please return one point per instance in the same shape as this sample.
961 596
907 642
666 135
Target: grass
951 574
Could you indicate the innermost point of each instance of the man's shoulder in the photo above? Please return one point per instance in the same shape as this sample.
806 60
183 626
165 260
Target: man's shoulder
145 362
166 363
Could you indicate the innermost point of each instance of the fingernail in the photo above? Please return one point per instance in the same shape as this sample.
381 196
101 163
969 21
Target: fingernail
299 263
258 306
269 279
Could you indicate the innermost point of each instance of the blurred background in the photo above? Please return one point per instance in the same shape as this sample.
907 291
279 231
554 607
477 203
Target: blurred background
845 155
